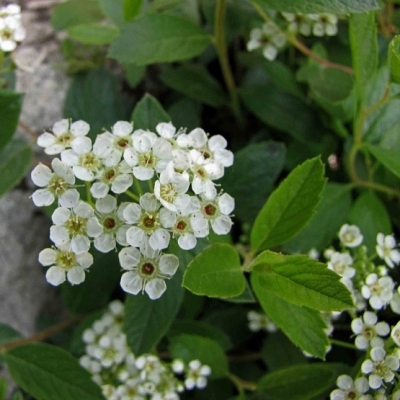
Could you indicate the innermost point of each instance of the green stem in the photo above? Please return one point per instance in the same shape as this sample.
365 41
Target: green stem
138 187
89 198
151 186
343 344
220 44
132 195
242 385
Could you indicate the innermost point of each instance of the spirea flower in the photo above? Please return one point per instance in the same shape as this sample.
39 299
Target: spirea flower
349 389
65 264
380 367
197 375
341 264
350 235
315 24
269 38
258 322
11 30
386 249
378 291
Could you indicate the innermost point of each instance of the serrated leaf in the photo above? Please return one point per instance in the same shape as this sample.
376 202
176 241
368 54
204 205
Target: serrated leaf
10 108
48 372
196 83
207 351
301 382
15 161
246 181
93 33
75 12
371 216
148 113
147 321
289 207
332 212
303 326
301 281
394 58
389 158
364 49
320 6
158 38
216 272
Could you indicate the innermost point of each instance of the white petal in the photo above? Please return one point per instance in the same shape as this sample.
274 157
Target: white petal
226 204
132 213
143 173
149 202
167 218
69 199
225 157
60 215
76 275
63 170
131 157
168 264
187 241
129 257
93 227
131 282
61 127
122 128
166 130
122 183
155 288
80 244
84 210
199 138
59 235
46 139
107 204
221 225
47 257
99 190
70 157
42 197
55 275
80 128
159 239
41 175
83 174
135 236
104 243
121 235
81 145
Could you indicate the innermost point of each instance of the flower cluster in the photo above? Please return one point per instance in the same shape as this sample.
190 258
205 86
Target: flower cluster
373 289
11 29
123 376
182 201
312 24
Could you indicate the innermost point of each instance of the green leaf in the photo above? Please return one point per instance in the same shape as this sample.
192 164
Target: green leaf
93 33
3 389
185 113
158 38
331 214
15 161
216 272
394 59
246 181
147 321
132 8
148 113
7 334
389 158
246 297
10 108
320 6
113 10
96 98
48 372
289 207
200 328
371 216
301 281
303 326
96 290
17 396
75 12
196 83
194 347
301 382
364 49
134 74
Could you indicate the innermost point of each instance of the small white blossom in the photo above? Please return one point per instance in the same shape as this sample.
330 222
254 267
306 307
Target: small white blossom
196 375
146 270
64 263
368 330
57 184
316 24
380 368
350 235
349 389
341 264
378 291
258 322
62 135
11 29
386 249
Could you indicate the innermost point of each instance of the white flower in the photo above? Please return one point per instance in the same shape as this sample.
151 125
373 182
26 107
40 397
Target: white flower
11 29
166 130
349 389
258 322
368 329
350 235
216 212
317 24
113 223
146 223
63 134
85 162
313 254
386 249
64 262
171 189
146 270
178 366
118 178
148 155
196 376
55 185
75 225
380 368
341 264
395 334
196 138
111 350
182 226
109 146
379 291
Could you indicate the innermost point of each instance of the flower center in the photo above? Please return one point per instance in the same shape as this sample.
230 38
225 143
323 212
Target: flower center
368 332
181 225
122 143
351 395
57 185
147 268
146 160
89 161
64 139
76 225
210 210
348 237
168 192
148 221
376 289
109 174
380 368
66 259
